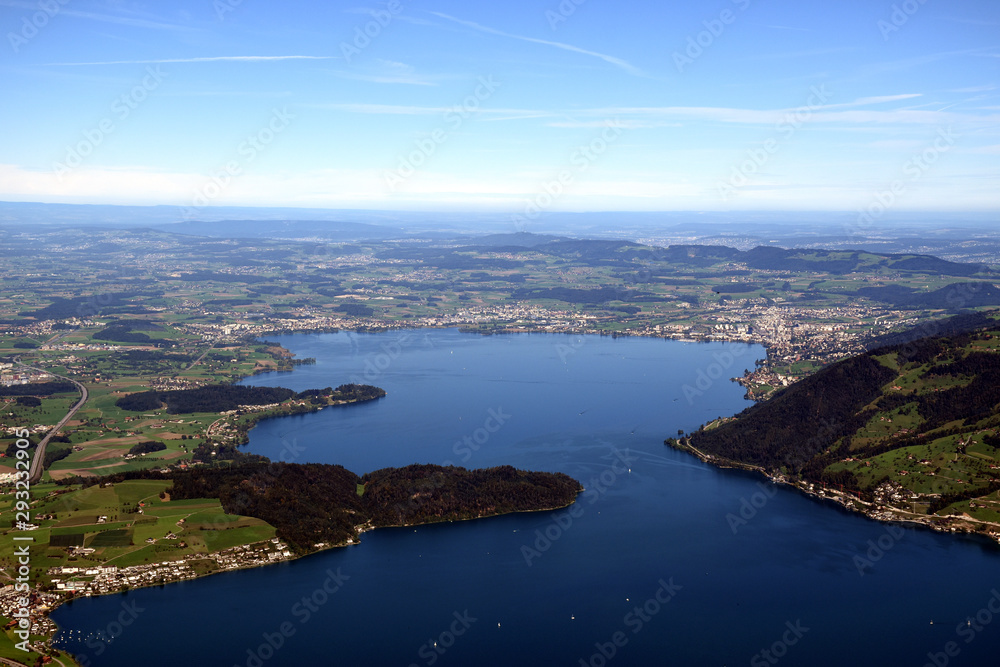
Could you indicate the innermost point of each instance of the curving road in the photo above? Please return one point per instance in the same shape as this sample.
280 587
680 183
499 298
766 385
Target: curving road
36 463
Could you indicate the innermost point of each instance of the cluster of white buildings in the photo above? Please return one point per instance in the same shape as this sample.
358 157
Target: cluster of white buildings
9 378
102 579
41 604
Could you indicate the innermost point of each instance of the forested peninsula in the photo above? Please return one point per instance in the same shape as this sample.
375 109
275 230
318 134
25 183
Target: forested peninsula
314 506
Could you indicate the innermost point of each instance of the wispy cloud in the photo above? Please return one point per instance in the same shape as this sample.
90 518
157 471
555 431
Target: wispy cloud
865 101
226 93
847 113
624 124
125 20
887 67
389 71
804 54
618 62
975 89
405 18
133 21
955 19
389 109
163 61
785 27
380 78
406 110
985 150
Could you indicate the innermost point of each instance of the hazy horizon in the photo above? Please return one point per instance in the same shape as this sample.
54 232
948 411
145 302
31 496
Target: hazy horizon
521 108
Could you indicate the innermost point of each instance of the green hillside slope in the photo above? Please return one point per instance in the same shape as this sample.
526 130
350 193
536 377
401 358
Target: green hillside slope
910 431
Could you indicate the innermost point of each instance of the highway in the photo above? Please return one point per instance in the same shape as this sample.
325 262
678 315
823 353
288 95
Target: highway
36 463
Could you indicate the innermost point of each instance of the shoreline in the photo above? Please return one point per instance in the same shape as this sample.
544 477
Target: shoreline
849 502
364 528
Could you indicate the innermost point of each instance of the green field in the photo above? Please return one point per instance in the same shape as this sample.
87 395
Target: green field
105 519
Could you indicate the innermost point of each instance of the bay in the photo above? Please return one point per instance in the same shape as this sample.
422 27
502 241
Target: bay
650 566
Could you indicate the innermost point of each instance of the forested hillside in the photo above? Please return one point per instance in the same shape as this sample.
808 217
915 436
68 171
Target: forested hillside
918 421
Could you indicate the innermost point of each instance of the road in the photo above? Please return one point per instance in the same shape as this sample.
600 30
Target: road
36 463
196 361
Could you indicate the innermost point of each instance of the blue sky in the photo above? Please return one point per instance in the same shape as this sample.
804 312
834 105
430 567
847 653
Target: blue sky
520 106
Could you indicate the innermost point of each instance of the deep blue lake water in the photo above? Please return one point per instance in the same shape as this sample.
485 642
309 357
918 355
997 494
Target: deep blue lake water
649 567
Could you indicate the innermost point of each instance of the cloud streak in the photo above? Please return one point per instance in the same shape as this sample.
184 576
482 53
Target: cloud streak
163 61
104 18
848 113
617 62
410 110
389 71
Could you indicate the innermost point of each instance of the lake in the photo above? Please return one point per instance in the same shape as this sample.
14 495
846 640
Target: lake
663 560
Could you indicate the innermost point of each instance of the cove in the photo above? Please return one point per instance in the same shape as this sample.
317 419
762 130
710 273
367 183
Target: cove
645 568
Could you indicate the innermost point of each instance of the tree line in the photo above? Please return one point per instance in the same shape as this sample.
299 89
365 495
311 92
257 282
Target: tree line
315 503
224 397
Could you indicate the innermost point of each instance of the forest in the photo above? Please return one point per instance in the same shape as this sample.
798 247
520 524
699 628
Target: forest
211 398
802 420
944 386
37 389
315 503
224 397
146 447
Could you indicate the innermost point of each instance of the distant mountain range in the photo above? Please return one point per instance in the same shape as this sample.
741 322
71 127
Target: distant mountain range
333 230
964 236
